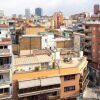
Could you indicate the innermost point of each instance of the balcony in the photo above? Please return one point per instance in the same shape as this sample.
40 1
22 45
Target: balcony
4 52
86 72
5 96
88 37
5 41
87 30
85 84
89 58
5 81
38 92
88 44
5 67
87 50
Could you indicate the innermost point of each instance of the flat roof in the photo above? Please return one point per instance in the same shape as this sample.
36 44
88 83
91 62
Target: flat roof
31 35
75 67
32 60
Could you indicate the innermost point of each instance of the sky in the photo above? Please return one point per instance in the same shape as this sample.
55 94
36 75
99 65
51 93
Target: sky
68 7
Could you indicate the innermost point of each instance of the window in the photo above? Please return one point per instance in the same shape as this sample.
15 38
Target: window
45 40
94 28
98 43
69 77
93 50
1 47
1 77
69 88
6 90
93 35
1 91
5 47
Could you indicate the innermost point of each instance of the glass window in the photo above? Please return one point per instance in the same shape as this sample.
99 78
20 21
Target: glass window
1 47
1 91
69 88
1 77
5 47
6 90
69 77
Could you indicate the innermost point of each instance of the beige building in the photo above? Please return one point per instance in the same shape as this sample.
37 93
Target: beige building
66 78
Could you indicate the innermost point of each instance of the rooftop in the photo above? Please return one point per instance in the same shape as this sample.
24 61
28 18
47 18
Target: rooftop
31 35
32 60
65 68
93 22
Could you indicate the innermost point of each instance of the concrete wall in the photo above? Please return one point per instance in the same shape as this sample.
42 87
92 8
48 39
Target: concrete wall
27 43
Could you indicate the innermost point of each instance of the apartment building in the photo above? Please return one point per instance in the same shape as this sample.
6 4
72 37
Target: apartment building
58 19
92 45
5 63
79 41
43 77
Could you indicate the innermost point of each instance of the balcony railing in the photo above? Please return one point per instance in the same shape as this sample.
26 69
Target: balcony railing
4 52
89 37
4 81
4 67
85 84
87 50
5 96
38 92
87 30
86 72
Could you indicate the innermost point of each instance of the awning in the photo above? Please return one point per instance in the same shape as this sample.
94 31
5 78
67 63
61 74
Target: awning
50 81
29 83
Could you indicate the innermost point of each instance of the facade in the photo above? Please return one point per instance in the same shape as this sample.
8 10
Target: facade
27 13
34 30
5 63
49 81
48 40
79 41
93 30
58 19
29 42
38 11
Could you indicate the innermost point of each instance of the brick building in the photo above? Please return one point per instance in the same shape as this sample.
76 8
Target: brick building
93 45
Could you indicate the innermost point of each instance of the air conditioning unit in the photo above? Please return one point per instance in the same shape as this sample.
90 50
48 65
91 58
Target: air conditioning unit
67 59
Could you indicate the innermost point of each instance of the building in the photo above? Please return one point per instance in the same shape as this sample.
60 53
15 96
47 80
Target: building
96 9
93 45
79 41
65 79
62 43
5 63
29 30
48 40
58 19
30 42
1 13
39 12
27 13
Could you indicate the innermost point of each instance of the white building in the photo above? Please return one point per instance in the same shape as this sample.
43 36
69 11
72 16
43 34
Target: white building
5 63
27 13
48 40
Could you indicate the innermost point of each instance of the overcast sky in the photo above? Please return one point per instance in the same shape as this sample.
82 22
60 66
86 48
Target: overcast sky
68 7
